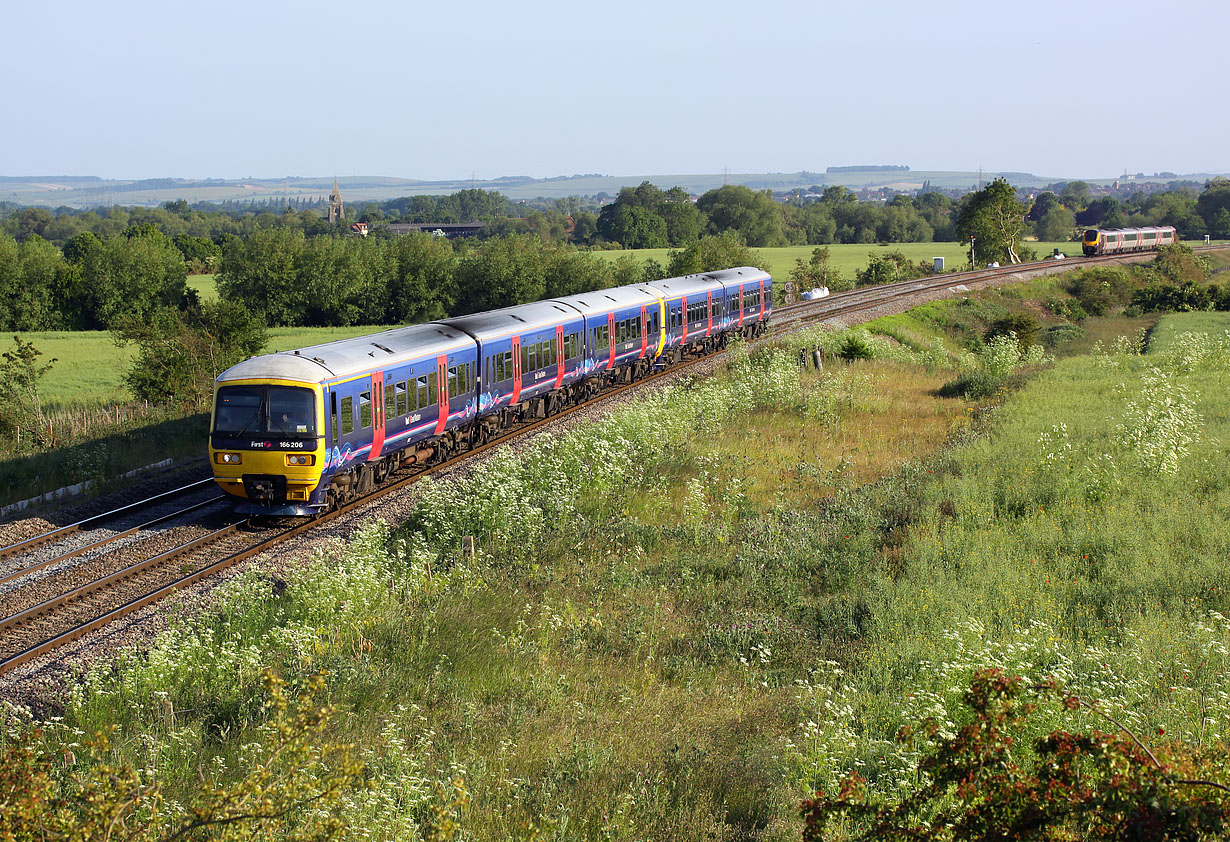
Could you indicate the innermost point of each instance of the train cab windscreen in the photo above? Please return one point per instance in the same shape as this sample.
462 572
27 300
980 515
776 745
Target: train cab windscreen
1091 235
264 410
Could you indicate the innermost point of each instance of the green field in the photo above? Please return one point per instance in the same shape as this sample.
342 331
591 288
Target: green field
89 367
205 285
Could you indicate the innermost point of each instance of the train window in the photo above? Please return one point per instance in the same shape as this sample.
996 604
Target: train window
390 400
422 397
465 378
347 415
572 346
333 418
452 380
400 403
433 389
365 410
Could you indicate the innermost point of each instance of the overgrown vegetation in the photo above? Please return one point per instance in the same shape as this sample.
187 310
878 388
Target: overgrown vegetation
684 636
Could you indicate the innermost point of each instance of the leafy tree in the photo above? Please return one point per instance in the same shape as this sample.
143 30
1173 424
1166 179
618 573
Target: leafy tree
32 222
637 228
754 215
500 273
684 221
135 274
569 272
1219 225
584 227
1213 204
817 271
21 408
1075 195
985 783
1105 212
82 247
419 276
181 352
725 251
199 249
885 268
260 273
1056 225
1044 202
995 219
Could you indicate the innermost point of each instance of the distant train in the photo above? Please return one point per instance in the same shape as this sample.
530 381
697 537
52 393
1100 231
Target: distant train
1120 240
301 432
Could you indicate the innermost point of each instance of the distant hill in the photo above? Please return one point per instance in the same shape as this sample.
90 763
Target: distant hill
91 191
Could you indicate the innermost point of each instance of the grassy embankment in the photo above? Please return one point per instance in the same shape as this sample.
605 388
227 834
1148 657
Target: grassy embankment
679 637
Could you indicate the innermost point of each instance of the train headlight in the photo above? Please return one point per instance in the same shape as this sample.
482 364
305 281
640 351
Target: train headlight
296 460
228 458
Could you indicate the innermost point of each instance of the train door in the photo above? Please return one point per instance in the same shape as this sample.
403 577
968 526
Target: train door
610 344
762 300
683 315
740 304
644 329
516 369
377 414
709 312
441 392
559 355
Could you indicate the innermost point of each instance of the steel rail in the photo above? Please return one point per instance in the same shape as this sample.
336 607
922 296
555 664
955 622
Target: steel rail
65 531
104 541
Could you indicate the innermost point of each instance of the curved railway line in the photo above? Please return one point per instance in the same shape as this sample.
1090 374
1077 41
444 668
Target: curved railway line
59 598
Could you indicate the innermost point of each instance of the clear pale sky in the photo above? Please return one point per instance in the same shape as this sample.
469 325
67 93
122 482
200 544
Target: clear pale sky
454 89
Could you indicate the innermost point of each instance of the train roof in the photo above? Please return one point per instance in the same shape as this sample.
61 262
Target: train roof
739 275
519 319
708 281
606 300
345 357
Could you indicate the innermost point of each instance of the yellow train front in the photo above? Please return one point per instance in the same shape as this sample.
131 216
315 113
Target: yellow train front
266 443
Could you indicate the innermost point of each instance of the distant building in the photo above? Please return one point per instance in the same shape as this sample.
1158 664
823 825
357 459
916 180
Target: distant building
359 228
336 209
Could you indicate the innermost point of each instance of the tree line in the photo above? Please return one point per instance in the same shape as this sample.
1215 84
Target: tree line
649 217
295 269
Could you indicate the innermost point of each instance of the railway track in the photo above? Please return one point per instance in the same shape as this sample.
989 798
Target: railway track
113 585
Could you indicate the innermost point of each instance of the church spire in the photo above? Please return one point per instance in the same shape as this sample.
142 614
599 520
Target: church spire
336 209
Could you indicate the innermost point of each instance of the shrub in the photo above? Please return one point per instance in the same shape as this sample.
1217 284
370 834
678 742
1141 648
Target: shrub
1099 290
978 784
1022 325
1058 336
1172 297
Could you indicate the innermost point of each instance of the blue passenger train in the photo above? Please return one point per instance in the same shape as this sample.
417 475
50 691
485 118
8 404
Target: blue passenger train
301 432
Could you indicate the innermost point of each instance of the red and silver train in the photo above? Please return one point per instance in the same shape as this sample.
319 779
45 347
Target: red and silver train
1120 240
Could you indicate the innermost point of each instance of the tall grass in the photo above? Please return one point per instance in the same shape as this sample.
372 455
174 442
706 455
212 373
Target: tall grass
678 635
